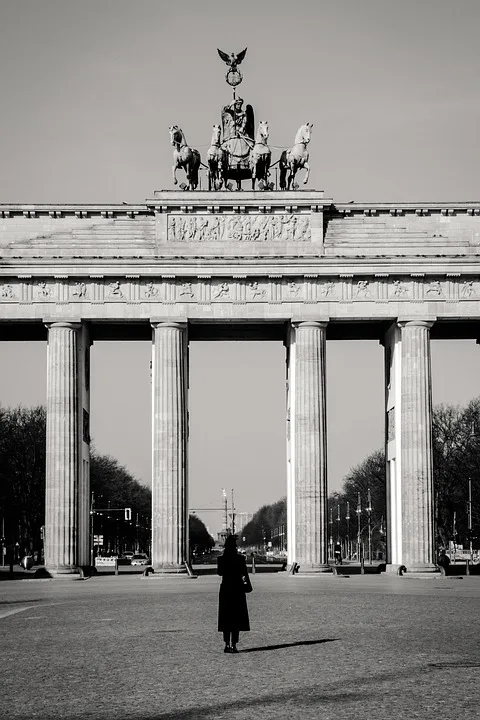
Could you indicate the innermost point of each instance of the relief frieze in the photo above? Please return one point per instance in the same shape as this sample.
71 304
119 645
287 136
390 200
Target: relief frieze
185 291
256 290
399 289
79 290
7 292
434 289
151 290
362 289
222 292
241 289
238 228
467 289
114 291
44 291
327 288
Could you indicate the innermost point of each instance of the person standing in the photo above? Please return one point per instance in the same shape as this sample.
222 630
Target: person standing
232 604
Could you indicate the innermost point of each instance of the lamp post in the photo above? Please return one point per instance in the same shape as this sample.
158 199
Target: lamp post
359 531
347 518
369 519
469 515
92 537
233 513
331 532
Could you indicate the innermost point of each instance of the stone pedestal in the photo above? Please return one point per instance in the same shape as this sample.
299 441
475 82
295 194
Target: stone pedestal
308 441
416 451
169 466
62 466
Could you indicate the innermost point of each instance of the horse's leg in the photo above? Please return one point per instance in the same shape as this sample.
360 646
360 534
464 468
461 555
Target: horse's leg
307 174
291 176
174 168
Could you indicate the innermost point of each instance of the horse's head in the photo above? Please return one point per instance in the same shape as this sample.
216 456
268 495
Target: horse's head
217 132
307 132
176 135
263 131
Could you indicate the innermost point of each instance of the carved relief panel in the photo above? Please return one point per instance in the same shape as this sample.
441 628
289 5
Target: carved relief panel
238 228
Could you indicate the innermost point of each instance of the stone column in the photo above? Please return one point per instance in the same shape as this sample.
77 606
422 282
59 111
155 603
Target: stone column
169 428
416 454
309 436
62 466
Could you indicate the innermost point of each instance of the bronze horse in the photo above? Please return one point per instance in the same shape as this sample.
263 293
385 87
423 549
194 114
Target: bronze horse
184 157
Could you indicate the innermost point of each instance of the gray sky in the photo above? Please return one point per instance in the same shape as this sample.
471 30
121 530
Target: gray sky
89 89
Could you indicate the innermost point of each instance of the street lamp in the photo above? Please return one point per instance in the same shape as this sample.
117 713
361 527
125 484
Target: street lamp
369 519
359 531
347 518
469 506
331 532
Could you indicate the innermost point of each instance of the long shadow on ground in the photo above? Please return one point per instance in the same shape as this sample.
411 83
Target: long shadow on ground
287 645
311 696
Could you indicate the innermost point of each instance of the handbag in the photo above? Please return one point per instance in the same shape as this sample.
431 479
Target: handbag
247 585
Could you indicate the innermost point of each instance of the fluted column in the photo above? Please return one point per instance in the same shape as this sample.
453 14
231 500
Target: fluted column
169 466
417 461
62 466
310 446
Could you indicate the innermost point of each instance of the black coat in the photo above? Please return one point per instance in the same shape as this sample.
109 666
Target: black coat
232 604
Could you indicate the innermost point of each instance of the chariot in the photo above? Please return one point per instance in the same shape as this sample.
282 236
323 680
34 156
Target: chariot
236 152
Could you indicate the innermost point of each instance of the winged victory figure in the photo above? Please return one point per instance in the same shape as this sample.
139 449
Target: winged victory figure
232 60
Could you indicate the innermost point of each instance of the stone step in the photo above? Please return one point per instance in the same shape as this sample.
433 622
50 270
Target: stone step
378 231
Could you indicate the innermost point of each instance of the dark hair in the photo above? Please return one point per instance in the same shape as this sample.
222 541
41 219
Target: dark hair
230 545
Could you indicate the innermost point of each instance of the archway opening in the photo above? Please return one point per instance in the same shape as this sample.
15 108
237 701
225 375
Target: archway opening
237 444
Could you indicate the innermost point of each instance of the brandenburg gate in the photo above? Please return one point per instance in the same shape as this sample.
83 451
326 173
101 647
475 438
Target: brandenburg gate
288 265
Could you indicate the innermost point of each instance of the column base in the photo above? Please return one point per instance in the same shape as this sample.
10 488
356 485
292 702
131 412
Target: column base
65 570
307 570
426 570
170 570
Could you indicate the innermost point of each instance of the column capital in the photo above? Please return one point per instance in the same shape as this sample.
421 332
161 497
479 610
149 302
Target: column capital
178 324
298 324
71 324
416 322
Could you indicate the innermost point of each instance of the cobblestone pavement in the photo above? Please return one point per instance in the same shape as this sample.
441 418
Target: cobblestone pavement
371 647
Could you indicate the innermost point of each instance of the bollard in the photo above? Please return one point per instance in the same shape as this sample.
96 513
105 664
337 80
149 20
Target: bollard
116 566
467 571
253 565
362 566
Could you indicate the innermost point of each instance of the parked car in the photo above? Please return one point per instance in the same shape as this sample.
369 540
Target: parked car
128 554
140 559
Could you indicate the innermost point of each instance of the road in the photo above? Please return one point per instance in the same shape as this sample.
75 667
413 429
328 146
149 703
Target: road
320 647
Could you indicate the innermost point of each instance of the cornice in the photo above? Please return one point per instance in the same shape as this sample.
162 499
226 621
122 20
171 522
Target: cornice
190 265
406 208
80 211
247 201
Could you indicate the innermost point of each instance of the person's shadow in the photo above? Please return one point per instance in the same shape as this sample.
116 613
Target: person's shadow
287 645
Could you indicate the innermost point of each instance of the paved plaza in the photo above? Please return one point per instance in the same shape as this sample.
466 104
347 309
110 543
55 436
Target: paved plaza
320 647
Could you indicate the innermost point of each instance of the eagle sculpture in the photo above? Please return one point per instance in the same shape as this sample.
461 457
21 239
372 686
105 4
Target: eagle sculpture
232 60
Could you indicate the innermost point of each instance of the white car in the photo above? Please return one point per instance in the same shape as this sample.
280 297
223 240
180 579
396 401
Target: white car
140 559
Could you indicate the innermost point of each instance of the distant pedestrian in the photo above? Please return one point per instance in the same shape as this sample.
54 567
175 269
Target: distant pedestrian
338 553
232 603
444 560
